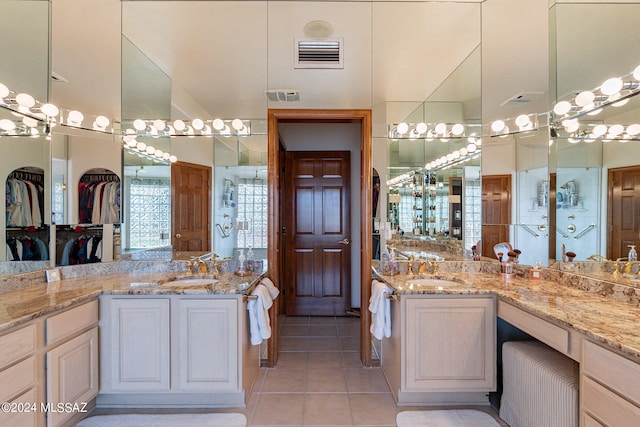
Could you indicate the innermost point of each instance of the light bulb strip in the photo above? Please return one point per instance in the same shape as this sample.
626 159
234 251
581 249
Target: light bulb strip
611 92
428 131
590 132
188 128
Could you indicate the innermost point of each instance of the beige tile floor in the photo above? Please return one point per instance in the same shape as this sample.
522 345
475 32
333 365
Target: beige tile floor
319 380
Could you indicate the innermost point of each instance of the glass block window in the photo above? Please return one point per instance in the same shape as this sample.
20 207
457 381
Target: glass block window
252 213
405 210
150 212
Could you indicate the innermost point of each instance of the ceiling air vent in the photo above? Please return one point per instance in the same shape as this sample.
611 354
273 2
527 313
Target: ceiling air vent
523 98
282 95
313 53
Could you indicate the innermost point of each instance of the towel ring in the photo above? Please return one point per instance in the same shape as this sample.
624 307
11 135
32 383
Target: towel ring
394 297
246 298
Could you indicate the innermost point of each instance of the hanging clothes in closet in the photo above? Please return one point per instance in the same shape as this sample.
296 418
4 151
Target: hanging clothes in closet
27 245
24 199
99 199
78 246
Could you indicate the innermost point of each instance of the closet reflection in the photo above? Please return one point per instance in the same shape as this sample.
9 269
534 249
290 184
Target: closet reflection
85 195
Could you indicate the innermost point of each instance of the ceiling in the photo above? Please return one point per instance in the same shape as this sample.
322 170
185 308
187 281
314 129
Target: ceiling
222 55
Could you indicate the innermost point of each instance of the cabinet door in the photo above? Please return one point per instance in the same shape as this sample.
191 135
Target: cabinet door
450 344
135 345
72 375
206 347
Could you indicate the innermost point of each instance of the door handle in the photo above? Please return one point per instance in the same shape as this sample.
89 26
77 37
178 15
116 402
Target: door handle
344 241
178 236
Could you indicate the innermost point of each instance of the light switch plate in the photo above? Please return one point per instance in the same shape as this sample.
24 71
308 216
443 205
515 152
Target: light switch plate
53 275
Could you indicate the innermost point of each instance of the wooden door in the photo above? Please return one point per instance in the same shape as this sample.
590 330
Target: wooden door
190 207
496 211
317 218
623 213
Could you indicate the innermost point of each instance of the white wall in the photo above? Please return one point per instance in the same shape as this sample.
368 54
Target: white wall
327 137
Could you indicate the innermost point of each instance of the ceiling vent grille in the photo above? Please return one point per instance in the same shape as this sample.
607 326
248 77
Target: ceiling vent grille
282 95
523 98
325 53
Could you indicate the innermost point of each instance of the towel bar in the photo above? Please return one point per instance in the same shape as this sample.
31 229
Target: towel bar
394 297
246 298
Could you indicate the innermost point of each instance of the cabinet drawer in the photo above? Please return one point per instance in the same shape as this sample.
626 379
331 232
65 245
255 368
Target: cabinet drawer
619 374
550 334
606 406
590 422
71 321
17 379
17 345
24 417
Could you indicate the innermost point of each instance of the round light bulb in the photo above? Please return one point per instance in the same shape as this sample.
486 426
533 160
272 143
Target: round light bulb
179 125
34 133
159 124
523 121
633 129
150 150
463 151
29 121
132 143
471 148
562 108
172 131
441 128
7 125
206 130
173 159
141 146
456 154
139 124
449 157
571 125
225 130
4 92
197 124
599 130
218 124
497 126
421 128
402 128
615 130
585 98
166 156
102 121
611 86
75 117
238 125
620 103
25 100
457 129
49 110
427 166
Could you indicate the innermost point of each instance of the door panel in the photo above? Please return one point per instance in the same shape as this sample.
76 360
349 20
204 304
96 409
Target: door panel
496 211
317 264
190 207
623 211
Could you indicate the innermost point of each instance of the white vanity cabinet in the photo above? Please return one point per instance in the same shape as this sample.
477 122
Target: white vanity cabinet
609 388
21 376
175 351
442 350
72 363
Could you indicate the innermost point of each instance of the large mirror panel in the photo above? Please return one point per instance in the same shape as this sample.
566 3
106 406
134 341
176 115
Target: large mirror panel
594 190
24 235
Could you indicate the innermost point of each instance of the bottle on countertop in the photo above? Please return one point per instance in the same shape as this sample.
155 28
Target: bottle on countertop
384 260
633 254
241 259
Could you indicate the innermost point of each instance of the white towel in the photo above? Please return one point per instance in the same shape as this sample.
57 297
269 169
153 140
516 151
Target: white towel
259 314
273 291
381 311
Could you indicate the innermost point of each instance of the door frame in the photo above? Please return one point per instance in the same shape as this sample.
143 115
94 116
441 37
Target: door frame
274 174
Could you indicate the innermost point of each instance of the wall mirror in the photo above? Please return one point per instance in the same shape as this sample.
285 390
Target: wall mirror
433 180
24 244
594 163
232 209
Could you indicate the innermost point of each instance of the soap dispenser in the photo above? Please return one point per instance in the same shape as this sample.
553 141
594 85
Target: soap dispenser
633 255
241 271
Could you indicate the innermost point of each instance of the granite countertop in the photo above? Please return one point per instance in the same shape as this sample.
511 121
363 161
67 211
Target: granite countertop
605 320
41 298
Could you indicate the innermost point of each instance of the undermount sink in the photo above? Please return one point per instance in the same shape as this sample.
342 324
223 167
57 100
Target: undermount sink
200 281
437 283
